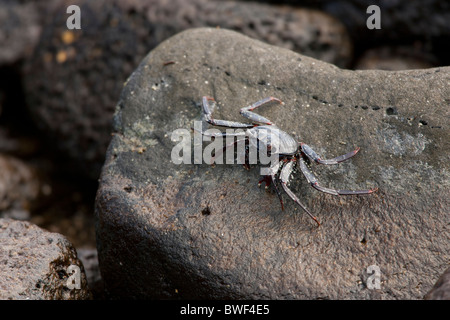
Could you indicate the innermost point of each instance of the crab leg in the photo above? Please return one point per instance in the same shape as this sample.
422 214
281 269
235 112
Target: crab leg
313 155
221 123
315 184
268 179
247 111
284 177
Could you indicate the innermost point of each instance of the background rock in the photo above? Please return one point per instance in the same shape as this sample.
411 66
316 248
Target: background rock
34 264
19 188
73 80
403 22
389 58
19 30
89 258
193 231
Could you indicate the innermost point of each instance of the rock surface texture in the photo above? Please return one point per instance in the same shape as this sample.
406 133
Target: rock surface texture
35 264
19 187
441 290
195 231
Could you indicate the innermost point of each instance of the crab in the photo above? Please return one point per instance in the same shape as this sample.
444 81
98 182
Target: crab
290 152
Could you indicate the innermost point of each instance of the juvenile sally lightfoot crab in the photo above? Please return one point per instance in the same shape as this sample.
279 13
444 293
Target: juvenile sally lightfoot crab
281 144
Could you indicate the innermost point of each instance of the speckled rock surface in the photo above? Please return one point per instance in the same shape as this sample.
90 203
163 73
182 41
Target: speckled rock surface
196 231
35 264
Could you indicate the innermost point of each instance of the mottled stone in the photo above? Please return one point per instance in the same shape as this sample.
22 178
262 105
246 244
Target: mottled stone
35 264
195 231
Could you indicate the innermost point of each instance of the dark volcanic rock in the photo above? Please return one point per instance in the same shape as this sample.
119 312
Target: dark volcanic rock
196 231
75 77
35 264
401 20
441 290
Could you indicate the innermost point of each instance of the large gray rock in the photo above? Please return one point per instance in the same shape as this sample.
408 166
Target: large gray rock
196 231
36 264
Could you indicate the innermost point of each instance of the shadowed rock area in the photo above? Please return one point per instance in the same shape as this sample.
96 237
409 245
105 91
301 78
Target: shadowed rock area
196 231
